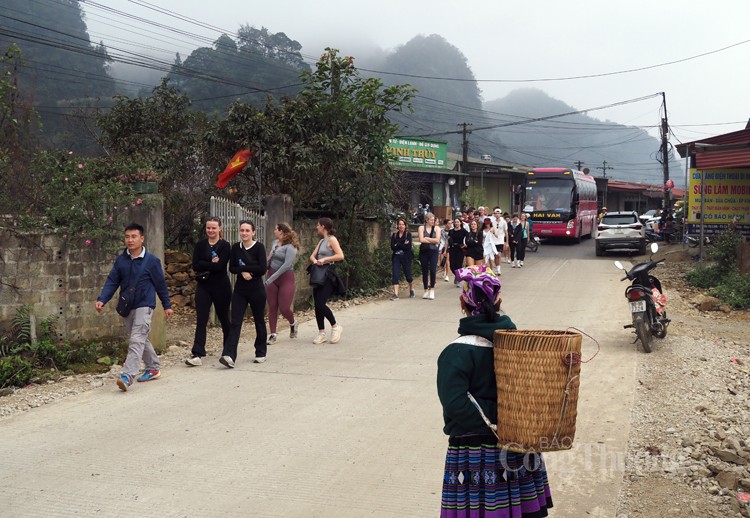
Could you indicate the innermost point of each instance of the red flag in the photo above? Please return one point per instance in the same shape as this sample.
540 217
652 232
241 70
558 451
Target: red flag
240 160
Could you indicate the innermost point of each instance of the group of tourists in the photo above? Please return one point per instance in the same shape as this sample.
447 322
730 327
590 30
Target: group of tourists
475 239
262 279
480 478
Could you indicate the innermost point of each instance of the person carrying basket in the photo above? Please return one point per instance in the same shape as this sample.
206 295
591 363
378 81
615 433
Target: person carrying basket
481 478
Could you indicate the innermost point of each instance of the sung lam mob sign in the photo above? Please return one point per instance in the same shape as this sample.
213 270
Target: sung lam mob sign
725 195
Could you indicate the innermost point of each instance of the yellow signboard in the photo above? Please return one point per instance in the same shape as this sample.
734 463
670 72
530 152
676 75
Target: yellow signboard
726 196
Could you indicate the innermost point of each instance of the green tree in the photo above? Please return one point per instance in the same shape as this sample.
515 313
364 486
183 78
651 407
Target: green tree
163 134
326 146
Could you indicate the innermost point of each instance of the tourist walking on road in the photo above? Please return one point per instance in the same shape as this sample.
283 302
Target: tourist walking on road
327 252
210 258
474 244
429 241
515 231
403 255
139 275
480 475
456 247
248 261
525 236
280 279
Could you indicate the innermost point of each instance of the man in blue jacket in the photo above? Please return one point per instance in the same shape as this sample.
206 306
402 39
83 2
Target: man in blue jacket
136 266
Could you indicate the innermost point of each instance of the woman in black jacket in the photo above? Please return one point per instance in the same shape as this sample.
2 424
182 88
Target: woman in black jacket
456 246
403 254
210 258
248 260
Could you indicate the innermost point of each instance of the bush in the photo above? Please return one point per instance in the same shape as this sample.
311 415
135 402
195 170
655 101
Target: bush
704 276
15 371
734 289
725 248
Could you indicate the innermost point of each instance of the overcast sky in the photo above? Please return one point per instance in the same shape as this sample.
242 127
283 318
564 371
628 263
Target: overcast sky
505 40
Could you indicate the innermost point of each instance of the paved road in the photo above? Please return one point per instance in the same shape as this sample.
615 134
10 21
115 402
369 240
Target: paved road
352 429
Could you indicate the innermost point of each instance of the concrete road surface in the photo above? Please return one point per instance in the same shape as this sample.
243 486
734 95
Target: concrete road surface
352 429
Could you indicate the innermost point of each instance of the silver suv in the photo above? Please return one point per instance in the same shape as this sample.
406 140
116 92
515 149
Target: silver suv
620 231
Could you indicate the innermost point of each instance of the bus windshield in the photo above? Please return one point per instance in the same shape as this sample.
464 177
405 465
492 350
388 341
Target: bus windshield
549 194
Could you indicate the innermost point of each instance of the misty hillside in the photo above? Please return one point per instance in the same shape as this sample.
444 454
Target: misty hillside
630 151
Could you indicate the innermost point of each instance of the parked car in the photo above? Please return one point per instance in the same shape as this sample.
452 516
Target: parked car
620 231
648 215
653 223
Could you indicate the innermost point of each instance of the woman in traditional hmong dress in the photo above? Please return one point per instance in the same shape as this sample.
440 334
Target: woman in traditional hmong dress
481 479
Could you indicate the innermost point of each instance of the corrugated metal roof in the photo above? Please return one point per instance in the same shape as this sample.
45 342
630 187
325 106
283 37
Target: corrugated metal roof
720 158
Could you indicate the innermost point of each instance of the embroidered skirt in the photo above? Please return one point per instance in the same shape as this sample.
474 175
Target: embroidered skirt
484 481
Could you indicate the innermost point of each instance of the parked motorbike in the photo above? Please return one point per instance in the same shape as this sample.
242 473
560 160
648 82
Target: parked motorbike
532 243
652 237
694 241
647 301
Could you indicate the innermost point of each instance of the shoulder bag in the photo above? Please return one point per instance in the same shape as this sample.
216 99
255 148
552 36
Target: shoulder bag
127 296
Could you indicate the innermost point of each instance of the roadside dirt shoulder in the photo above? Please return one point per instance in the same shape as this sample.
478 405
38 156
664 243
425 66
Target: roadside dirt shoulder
689 448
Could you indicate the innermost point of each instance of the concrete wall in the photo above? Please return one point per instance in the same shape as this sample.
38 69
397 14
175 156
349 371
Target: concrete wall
59 281
62 281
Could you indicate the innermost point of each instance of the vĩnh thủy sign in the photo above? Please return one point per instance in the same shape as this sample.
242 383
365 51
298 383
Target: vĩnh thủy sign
410 152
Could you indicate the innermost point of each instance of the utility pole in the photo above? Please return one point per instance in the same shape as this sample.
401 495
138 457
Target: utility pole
604 168
665 151
578 164
465 146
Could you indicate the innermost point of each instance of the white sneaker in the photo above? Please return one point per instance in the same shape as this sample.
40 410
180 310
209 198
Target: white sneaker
432 294
195 361
259 359
336 333
271 339
227 361
507 260
520 264
320 339
513 264
445 278
294 329
426 294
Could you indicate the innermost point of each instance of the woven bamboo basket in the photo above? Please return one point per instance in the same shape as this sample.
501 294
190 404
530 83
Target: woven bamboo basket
538 376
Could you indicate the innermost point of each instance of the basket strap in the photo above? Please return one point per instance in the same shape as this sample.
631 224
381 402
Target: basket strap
473 340
486 420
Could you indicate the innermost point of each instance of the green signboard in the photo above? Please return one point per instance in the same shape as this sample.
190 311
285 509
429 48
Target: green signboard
411 153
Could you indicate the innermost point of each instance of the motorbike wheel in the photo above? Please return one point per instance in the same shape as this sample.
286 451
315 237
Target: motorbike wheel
642 329
532 245
663 332
693 242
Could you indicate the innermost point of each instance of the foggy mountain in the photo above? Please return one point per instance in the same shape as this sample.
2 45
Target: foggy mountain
630 151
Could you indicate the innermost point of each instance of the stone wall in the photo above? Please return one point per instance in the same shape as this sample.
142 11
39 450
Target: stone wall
58 281
180 278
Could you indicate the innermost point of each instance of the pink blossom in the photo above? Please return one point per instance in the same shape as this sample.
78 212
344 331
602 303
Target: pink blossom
88 242
139 201
132 204
65 236
15 223
109 218
80 166
66 178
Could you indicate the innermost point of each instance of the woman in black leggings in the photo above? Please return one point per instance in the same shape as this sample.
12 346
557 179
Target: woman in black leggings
210 258
248 260
326 252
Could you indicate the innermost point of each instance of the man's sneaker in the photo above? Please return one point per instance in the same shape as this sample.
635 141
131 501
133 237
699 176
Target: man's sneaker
271 339
426 294
320 339
336 333
412 294
259 359
148 375
227 362
432 294
293 330
195 361
124 382
394 297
